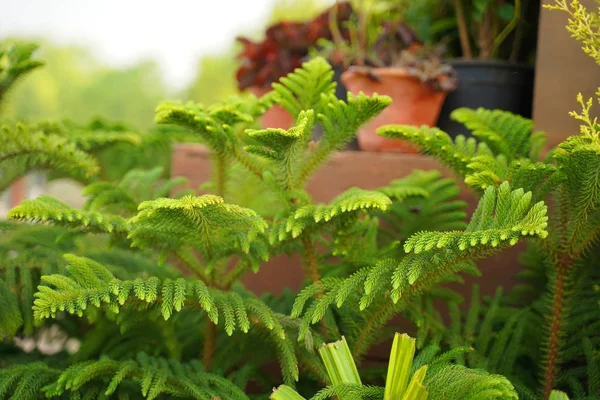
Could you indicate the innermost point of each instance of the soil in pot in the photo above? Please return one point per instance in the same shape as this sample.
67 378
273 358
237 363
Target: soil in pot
413 103
489 84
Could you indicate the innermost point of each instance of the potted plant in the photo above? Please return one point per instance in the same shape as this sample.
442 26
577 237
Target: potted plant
285 47
383 55
496 39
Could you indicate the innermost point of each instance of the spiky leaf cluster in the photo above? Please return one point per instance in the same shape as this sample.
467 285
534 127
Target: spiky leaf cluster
506 150
145 376
204 222
340 212
503 217
213 125
87 284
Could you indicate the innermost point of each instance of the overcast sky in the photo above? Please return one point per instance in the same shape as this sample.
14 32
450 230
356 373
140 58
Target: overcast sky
121 32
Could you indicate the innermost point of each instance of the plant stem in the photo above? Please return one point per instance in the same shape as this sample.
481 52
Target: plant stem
463 31
211 329
311 263
485 39
244 159
518 40
333 26
511 25
558 298
362 37
220 173
209 344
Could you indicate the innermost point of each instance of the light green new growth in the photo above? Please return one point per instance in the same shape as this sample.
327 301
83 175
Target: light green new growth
558 395
205 222
397 384
305 88
339 363
583 25
342 210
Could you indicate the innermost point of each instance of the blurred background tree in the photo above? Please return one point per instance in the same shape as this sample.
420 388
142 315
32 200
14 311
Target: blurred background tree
74 85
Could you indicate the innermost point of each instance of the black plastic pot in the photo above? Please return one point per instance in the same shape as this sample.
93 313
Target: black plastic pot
488 84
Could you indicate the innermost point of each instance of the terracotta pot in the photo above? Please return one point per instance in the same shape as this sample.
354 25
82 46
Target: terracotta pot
413 103
276 117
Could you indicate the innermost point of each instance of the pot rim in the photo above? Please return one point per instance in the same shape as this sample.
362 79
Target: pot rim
463 62
383 71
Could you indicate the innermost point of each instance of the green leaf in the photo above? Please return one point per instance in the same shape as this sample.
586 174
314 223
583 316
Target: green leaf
506 12
284 392
339 363
558 395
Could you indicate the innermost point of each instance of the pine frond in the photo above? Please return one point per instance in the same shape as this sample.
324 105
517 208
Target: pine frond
152 377
24 149
25 381
204 222
28 251
87 283
285 147
302 89
340 120
504 133
502 218
341 211
457 154
458 382
579 159
49 209
212 125
507 150
538 177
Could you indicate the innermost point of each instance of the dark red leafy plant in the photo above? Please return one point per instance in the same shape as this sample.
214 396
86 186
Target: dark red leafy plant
285 47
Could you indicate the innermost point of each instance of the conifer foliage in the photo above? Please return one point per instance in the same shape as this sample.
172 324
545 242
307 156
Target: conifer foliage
504 149
147 280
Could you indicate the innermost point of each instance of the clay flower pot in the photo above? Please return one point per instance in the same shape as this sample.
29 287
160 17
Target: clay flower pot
276 116
413 103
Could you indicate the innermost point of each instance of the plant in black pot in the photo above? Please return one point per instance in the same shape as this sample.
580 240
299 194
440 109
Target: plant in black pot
496 40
